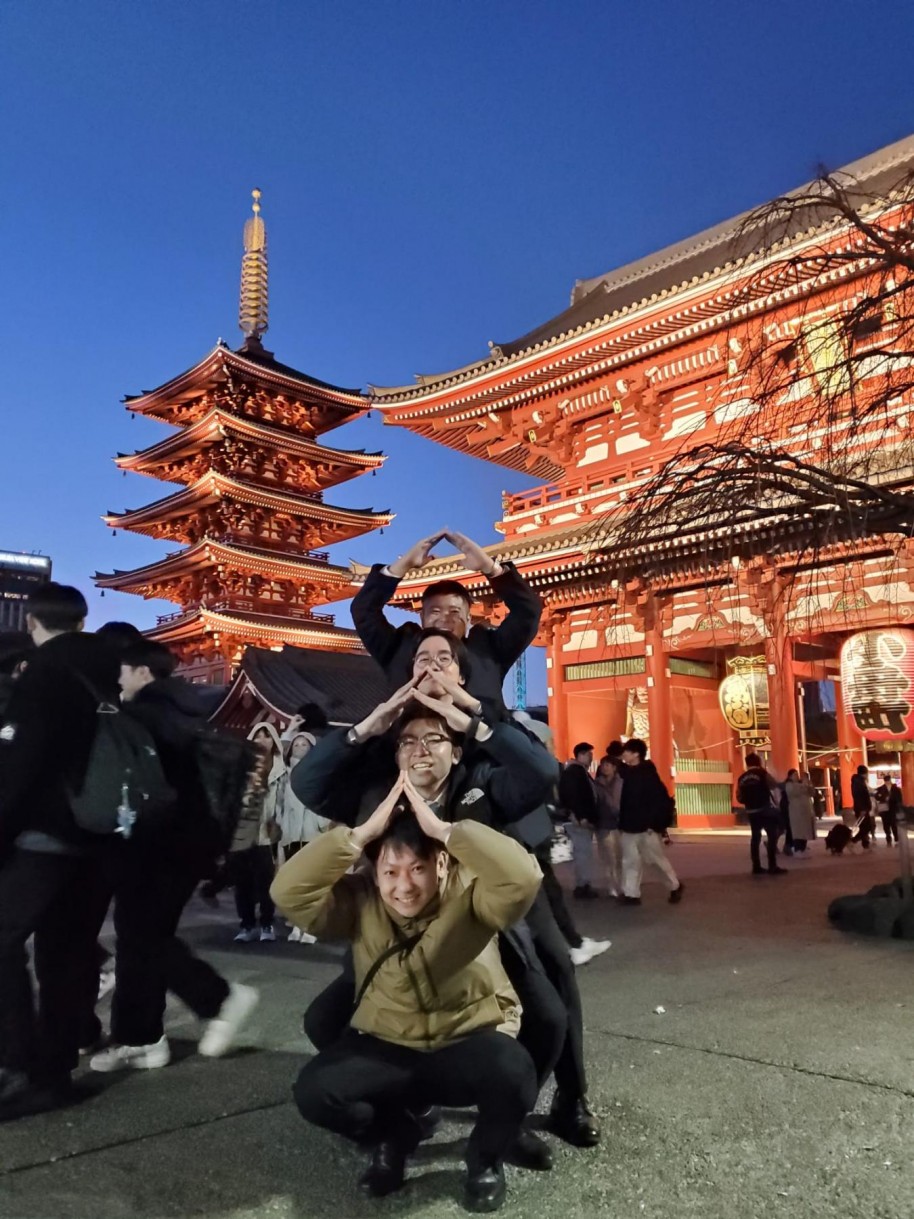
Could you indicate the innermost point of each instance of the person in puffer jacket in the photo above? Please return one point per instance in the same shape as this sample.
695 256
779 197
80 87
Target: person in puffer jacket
645 809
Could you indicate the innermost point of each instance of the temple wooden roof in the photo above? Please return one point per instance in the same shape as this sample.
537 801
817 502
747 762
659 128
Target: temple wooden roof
721 249
217 424
346 686
236 557
222 364
269 630
348 522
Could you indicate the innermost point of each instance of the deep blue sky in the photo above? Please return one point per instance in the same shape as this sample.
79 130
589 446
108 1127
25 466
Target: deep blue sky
435 174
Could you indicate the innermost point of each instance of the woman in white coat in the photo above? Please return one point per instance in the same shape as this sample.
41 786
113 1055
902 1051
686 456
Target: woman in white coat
801 810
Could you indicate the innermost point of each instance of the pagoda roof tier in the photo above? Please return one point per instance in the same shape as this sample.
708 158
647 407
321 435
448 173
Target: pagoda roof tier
260 629
221 366
277 565
161 460
341 523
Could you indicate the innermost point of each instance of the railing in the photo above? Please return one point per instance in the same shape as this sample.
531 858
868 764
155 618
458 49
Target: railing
551 494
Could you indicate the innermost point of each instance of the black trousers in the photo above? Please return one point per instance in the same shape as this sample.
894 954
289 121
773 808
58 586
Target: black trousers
44 895
150 888
769 822
889 826
252 873
552 950
363 1087
866 831
544 1024
556 897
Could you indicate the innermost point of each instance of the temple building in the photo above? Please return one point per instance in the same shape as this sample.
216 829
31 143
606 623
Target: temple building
701 637
250 514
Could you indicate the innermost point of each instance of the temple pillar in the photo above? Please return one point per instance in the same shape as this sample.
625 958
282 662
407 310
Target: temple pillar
850 755
555 691
770 592
906 758
659 708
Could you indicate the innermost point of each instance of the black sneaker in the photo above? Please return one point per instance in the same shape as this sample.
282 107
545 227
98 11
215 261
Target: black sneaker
776 871
531 1152
630 901
758 870
676 894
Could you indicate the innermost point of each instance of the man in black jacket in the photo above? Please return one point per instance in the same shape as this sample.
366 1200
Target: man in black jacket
578 801
154 876
446 605
754 791
46 860
644 814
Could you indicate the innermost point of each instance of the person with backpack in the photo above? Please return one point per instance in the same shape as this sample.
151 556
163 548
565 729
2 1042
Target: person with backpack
156 875
46 858
645 809
754 791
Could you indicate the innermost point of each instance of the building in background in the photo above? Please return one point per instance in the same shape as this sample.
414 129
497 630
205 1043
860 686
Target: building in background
251 514
653 360
20 575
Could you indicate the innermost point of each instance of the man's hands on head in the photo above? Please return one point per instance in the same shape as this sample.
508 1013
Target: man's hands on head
379 820
474 556
429 822
386 714
417 556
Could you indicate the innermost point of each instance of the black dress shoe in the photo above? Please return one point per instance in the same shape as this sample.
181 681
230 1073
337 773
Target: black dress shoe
485 1190
386 1172
676 894
630 901
573 1121
17 1100
777 871
427 1121
531 1152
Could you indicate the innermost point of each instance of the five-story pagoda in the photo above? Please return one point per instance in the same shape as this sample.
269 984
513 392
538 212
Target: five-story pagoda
250 512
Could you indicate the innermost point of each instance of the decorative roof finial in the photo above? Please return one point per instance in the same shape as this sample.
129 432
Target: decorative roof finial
253 311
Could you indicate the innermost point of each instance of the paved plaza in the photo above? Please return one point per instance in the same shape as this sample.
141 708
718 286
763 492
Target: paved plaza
777 1081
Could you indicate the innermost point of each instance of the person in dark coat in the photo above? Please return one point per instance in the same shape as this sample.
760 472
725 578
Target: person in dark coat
446 605
578 802
644 813
755 792
888 802
46 860
153 877
863 807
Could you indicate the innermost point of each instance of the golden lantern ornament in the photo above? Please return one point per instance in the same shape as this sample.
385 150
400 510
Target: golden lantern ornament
877 683
743 696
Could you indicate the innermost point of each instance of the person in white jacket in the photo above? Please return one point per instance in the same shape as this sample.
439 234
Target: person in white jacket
298 824
250 858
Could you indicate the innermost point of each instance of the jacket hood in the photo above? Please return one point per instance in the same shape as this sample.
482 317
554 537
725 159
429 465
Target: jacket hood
271 728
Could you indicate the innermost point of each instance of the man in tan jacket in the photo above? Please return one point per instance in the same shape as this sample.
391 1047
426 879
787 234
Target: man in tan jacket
435 1019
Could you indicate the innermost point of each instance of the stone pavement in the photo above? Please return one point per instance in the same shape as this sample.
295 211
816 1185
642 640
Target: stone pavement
777 1082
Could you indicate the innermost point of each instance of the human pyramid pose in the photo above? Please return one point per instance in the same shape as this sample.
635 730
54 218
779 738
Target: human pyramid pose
452 996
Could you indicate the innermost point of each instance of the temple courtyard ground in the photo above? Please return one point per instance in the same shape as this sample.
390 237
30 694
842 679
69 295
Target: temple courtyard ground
745 1058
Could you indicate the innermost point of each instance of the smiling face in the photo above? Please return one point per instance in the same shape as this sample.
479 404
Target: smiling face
446 611
407 882
299 748
427 754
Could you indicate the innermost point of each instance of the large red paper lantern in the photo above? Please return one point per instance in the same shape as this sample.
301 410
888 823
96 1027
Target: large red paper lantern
877 683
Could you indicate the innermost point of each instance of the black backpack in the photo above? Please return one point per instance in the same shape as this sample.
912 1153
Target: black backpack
753 792
124 782
225 764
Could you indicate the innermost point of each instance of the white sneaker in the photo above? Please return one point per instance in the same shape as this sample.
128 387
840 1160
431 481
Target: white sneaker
588 950
307 938
222 1030
295 935
267 935
246 935
136 1057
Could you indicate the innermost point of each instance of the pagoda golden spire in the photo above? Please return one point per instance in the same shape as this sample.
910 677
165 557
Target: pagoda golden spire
253 310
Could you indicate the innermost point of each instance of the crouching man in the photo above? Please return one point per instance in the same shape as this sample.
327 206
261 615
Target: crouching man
435 1018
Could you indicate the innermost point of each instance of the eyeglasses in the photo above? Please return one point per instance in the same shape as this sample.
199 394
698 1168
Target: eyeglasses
441 661
430 741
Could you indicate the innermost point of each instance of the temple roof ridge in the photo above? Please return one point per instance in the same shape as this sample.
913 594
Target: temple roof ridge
212 549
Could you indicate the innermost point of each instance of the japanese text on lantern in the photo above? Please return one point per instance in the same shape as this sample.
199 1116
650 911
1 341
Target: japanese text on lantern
877 676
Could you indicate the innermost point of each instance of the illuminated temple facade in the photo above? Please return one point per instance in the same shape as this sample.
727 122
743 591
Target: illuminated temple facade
250 514
592 404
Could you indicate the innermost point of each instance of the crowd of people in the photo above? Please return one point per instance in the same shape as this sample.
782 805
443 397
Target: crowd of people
420 838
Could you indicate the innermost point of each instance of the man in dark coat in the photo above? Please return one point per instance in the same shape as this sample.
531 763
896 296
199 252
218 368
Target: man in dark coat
578 802
493 650
754 791
46 860
645 809
863 807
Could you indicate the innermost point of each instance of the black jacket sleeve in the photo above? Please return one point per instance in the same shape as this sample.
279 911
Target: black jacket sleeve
332 778
523 775
577 793
512 637
380 638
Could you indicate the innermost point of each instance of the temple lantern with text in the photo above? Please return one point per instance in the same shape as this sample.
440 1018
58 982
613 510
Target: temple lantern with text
743 696
877 680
